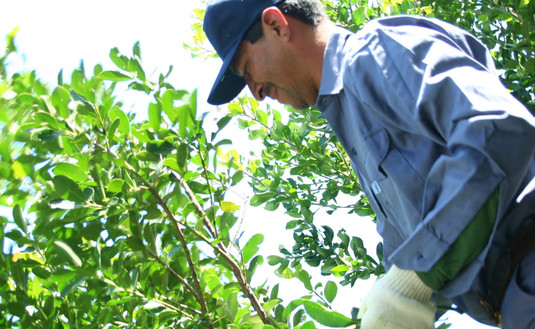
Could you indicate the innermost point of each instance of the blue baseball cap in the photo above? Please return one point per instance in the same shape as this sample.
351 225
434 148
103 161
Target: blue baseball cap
225 24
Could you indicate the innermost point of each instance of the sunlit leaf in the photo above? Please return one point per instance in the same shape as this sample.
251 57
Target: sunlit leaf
114 76
274 260
73 284
251 247
269 305
66 251
120 60
18 170
330 291
116 185
19 219
124 126
229 206
155 116
326 317
60 100
72 171
68 189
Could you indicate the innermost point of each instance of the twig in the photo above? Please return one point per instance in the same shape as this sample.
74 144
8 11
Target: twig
222 250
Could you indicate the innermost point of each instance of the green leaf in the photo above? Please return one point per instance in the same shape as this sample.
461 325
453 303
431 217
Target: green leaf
144 87
134 276
167 102
71 171
182 156
120 60
60 78
155 116
19 219
113 129
77 83
44 117
72 285
274 292
237 177
114 76
229 206
134 65
60 100
116 185
305 278
358 247
66 251
11 48
251 247
146 156
274 260
259 199
270 304
160 147
193 104
68 189
223 122
291 307
308 325
340 268
137 49
124 126
18 170
326 317
330 291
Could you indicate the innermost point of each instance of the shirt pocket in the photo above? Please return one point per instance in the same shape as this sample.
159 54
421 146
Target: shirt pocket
395 185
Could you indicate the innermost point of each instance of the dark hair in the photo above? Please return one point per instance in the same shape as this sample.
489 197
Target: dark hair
310 12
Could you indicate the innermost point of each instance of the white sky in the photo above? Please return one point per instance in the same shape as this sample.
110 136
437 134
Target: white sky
57 34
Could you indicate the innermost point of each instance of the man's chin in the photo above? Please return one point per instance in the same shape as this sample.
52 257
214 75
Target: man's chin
301 106
297 105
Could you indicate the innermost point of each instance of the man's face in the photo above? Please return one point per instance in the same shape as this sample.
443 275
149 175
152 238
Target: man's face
270 70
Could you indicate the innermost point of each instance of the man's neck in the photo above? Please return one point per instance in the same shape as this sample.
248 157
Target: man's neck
310 43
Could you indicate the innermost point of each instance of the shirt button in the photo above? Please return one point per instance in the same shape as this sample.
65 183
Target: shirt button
376 188
353 151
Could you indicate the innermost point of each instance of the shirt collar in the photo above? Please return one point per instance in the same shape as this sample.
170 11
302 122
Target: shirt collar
332 71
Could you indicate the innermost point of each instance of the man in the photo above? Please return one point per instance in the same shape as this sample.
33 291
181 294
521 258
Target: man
444 153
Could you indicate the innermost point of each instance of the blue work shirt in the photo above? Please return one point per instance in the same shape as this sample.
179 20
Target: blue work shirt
430 130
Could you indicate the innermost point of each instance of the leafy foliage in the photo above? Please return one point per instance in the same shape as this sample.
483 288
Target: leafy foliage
116 222
119 223
507 28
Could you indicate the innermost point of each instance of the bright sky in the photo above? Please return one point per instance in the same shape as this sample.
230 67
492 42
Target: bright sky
57 34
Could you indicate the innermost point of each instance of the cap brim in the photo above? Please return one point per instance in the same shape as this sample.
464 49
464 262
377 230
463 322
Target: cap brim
227 84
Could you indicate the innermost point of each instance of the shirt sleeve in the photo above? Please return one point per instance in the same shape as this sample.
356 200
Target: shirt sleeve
420 81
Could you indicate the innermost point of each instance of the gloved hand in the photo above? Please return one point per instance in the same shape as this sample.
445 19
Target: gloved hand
398 300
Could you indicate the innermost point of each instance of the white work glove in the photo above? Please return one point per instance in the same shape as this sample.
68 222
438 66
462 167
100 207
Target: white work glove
399 300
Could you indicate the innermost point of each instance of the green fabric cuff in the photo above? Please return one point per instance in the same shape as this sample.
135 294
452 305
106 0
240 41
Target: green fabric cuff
467 246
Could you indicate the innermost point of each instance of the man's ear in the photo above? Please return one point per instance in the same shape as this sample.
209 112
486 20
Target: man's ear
274 20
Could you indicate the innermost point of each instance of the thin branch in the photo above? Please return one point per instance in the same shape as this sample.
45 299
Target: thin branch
222 250
175 274
209 223
199 294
